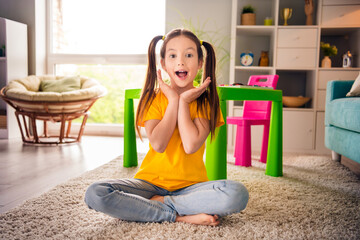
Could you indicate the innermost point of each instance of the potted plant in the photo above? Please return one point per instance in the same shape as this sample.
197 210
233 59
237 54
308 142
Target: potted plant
328 51
248 15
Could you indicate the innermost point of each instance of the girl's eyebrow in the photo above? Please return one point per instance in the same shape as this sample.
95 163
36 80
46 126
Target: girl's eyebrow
173 49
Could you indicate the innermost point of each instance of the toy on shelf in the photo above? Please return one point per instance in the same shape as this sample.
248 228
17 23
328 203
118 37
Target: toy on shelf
246 59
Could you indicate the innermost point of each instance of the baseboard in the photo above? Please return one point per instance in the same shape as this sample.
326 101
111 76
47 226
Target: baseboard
352 165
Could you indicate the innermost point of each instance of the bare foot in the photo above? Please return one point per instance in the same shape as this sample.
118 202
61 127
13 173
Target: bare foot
158 198
199 219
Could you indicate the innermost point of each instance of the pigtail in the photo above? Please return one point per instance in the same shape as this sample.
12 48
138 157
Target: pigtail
211 94
148 91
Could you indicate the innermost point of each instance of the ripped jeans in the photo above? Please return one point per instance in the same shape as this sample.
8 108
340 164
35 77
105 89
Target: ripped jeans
128 199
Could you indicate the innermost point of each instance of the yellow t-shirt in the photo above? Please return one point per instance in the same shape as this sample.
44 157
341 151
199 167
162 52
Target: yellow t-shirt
173 169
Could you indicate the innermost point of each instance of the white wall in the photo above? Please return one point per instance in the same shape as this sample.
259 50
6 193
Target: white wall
33 14
212 16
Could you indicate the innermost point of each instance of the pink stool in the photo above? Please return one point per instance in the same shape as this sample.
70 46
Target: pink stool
254 113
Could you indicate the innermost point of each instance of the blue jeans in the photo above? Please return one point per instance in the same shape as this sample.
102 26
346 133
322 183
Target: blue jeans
128 199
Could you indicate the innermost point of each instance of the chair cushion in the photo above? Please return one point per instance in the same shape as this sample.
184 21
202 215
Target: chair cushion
60 85
345 113
28 89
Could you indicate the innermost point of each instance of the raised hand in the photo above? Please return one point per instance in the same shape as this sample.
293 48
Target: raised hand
193 132
192 94
170 93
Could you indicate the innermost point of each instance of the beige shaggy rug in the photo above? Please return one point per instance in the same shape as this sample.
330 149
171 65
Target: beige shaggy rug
316 199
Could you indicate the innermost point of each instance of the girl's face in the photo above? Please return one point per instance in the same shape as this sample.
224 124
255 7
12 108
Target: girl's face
181 62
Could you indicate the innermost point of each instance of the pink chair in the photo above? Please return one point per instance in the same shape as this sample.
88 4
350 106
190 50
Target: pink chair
254 113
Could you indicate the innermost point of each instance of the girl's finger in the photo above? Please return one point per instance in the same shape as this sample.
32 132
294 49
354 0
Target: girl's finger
206 83
159 75
207 80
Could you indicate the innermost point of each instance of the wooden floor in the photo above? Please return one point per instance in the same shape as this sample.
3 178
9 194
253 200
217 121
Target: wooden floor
28 171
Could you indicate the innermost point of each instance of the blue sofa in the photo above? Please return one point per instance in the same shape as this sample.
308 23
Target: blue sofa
342 121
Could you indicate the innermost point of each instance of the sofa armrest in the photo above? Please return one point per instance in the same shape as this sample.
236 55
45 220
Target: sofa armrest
335 89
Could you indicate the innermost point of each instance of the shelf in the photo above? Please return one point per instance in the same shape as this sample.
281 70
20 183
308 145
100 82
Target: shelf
330 31
345 41
13 65
295 69
255 30
295 55
254 68
339 69
298 17
298 26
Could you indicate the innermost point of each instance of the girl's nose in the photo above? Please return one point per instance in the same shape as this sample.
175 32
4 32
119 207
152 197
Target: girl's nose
180 61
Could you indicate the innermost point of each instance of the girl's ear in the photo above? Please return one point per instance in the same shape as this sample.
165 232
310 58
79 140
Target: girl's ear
162 61
201 62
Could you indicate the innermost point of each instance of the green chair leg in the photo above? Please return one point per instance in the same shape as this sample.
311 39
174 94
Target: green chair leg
130 151
216 151
274 165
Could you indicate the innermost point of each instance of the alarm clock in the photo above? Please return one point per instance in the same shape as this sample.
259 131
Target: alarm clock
247 59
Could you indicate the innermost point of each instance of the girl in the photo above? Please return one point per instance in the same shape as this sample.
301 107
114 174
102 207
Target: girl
171 184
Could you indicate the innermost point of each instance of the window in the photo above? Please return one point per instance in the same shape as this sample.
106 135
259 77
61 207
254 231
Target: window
105 27
106 40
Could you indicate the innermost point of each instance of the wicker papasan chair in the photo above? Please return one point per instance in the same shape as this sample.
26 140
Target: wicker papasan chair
51 98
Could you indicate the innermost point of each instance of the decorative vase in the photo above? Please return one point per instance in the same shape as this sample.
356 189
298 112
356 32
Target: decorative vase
248 19
264 59
326 62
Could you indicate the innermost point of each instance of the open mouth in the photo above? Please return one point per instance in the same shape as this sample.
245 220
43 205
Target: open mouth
181 74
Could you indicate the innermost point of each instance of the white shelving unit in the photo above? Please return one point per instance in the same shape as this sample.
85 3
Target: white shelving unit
12 66
294 54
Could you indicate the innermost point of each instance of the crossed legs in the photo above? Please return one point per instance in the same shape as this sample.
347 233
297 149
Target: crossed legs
138 200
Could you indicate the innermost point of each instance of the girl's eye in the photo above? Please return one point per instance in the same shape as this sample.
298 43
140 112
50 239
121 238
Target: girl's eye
189 55
172 56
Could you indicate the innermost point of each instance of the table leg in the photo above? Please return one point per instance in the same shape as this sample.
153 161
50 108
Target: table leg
274 166
130 151
216 151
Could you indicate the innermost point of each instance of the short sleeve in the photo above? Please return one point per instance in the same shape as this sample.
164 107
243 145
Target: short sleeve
221 120
154 111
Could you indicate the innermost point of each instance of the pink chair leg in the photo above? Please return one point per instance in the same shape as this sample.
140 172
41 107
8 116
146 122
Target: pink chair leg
243 145
265 142
237 142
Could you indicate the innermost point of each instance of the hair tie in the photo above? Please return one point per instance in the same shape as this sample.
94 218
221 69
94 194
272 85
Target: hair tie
163 38
201 42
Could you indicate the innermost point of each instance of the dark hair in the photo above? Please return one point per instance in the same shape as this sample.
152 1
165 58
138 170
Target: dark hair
210 96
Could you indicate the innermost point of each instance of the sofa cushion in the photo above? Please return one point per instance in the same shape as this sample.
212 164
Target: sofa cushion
355 89
345 113
66 84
